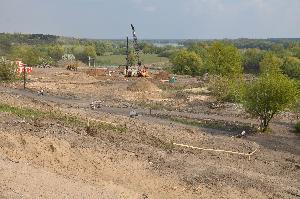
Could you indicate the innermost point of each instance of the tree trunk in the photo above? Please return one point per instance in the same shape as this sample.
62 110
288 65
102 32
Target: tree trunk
263 125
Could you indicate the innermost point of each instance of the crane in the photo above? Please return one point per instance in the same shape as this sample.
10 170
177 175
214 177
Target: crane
141 70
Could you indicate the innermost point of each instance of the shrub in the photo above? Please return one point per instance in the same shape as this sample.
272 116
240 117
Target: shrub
224 59
186 63
226 89
270 64
291 67
269 95
7 71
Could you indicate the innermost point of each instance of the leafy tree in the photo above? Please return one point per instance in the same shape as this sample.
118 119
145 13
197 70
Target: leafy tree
224 59
28 54
251 59
291 67
269 95
201 50
147 48
103 48
56 52
187 63
270 64
90 51
83 52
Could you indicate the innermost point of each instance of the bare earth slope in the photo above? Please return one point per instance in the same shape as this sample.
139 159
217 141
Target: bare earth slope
51 158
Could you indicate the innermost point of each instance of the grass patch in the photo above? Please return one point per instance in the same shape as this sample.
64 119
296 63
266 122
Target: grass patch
116 60
154 105
212 124
69 119
21 112
171 86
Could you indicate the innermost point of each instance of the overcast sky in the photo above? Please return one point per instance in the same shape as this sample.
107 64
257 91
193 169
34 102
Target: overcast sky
157 19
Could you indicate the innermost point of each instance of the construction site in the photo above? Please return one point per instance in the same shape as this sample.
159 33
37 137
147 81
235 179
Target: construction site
98 134
137 131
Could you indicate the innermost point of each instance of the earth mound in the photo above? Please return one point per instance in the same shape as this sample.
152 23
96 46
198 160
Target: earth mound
143 85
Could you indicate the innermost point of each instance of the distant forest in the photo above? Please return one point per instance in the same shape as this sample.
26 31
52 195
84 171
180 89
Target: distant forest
35 49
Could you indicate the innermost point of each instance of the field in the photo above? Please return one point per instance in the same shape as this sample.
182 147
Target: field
116 137
116 60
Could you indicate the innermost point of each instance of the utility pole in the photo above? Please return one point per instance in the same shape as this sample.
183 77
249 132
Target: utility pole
127 56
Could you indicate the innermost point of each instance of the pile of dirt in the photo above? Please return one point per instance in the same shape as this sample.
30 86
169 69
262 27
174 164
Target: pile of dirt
162 75
143 85
96 72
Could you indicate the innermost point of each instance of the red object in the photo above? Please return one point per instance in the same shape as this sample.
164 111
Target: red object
21 70
20 63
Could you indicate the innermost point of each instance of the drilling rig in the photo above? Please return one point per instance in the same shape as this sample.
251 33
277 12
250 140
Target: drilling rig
141 71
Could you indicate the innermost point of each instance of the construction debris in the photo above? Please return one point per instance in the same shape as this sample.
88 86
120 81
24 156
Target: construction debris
96 104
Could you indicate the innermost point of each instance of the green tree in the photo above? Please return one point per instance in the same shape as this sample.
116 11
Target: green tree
187 63
83 52
269 95
291 67
90 51
270 64
56 52
103 48
28 54
224 59
251 59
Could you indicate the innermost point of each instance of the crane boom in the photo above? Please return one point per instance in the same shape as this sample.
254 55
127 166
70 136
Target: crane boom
136 46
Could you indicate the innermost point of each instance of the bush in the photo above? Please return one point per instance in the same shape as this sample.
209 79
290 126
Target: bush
269 95
291 67
224 59
7 71
226 89
270 64
187 63
297 127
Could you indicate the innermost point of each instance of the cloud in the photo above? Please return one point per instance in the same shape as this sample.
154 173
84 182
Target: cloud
144 5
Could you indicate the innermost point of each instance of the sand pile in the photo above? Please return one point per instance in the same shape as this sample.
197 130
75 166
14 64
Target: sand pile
96 72
143 85
162 75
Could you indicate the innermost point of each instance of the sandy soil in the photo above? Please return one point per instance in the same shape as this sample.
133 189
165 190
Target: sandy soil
48 158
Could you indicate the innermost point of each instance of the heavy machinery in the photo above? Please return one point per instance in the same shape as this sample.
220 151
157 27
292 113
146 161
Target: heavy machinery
140 71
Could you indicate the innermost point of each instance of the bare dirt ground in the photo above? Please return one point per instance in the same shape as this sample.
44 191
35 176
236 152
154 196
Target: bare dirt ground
50 158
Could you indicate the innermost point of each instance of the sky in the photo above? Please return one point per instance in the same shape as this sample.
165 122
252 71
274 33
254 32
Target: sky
153 19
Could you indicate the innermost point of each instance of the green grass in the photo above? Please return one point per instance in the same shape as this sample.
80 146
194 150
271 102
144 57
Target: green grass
218 125
116 60
21 112
69 119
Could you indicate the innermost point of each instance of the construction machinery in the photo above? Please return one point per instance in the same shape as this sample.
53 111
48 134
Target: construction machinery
139 70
